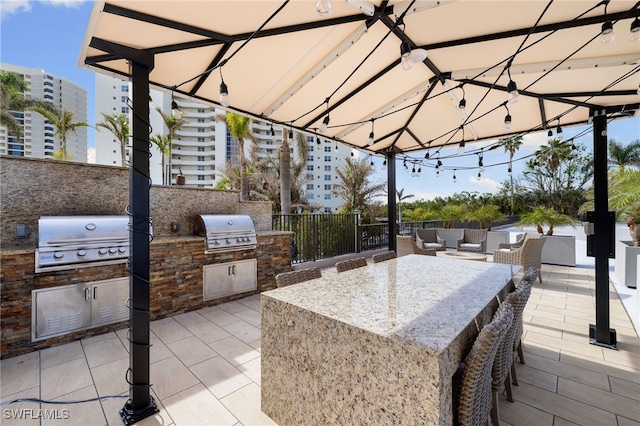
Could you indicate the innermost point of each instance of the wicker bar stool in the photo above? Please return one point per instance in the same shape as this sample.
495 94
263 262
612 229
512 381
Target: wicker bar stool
381 257
294 277
347 265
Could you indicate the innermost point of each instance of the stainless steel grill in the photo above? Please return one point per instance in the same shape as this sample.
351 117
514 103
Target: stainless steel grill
226 232
69 242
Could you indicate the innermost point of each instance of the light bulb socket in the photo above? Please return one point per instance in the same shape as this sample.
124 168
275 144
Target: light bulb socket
426 156
507 122
174 104
634 30
462 104
325 124
512 88
224 95
405 49
371 138
461 148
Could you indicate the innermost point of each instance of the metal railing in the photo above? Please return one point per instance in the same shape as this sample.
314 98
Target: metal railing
321 236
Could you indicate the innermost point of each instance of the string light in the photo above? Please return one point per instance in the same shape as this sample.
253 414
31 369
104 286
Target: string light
461 147
634 31
371 135
606 34
384 164
559 132
454 176
507 120
175 111
549 136
324 7
479 176
462 111
512 88
224 92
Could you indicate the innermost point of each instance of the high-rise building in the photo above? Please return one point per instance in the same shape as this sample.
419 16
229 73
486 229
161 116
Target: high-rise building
38 136
203 145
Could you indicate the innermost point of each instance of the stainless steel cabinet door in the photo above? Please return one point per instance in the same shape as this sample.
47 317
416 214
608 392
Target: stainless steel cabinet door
59 310
225 279
109 301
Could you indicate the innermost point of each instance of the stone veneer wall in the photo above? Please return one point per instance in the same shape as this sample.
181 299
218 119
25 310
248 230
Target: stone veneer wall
34 187
31 188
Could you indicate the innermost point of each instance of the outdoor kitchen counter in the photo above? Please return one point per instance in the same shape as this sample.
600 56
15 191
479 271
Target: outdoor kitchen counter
375 345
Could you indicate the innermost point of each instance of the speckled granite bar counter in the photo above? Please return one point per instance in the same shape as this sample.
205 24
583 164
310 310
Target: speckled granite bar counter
375 345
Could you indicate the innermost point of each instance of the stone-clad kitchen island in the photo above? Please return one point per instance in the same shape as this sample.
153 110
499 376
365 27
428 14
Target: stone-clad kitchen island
378 344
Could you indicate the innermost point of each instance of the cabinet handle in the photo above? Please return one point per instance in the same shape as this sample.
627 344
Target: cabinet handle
95 292
233 269
87 294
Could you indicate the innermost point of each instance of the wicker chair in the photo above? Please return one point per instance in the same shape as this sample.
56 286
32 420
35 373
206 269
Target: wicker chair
526 282
347 265
294 277
428 238
528 255
405 245
503 362
475 395
473 240
381 257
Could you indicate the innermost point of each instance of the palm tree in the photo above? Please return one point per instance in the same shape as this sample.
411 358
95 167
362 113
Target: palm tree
118 124
163 143
624 155
12 88
401 198
511 145
355 188
240 128
486 214
173 124
285 167
63 122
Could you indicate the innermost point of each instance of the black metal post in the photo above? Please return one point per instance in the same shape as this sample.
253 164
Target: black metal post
601 334
141 404
391 198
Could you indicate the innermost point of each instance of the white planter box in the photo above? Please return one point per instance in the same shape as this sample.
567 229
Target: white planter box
626 263
451 236
494 238
558 250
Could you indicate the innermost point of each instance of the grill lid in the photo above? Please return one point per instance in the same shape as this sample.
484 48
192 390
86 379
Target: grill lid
226 232
68 242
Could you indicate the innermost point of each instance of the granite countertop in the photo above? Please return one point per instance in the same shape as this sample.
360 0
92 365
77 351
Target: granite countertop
422 299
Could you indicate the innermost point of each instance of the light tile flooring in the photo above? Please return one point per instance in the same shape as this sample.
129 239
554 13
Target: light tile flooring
205 367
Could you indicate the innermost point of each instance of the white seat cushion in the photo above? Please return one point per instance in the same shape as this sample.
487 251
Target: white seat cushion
432 245
505 249
470 245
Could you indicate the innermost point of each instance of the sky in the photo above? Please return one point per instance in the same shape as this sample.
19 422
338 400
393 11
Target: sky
49 34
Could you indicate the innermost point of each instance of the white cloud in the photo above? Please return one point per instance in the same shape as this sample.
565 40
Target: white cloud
10 7
427 196
486 184
91 155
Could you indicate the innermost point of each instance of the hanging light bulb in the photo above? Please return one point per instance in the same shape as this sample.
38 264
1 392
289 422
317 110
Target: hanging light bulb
372 137
404 164
479 176
413 171
175 112
317 140
408 57
437 173
549 136
507 122
607 35
324 125
509 170
273 133
419 172
462 108
224 95
371 158
512 88
461 147
324 7
352 153
151 105
291 134
481 165
384 164
439 164
455 179
559 132
634 31
426 156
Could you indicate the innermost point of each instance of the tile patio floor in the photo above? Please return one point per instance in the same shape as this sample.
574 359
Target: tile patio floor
205 366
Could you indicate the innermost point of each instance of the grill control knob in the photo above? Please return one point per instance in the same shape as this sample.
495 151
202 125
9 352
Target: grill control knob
216 242
228 242
81 253
102 251
113 250
58 255
122 250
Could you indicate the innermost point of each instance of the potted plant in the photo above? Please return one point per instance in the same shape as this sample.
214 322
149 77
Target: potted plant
558 249
486 214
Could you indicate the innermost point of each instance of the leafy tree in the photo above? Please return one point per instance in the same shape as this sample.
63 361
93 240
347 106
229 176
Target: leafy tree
173 124
64 124
240 128
624 193
12 88
450 213
622 155
558 175
486 215
356 188
401 197
118 124
163 143
511 145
